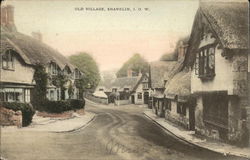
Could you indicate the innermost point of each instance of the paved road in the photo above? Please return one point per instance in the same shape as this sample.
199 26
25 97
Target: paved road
116 133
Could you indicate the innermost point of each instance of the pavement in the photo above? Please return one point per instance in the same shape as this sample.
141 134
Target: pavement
192 138
55 124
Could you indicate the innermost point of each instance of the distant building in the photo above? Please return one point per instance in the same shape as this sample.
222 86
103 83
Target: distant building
159 75
126 90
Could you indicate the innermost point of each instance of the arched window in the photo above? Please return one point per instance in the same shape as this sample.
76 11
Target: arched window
8 60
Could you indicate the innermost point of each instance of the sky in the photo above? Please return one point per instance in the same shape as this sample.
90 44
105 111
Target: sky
149 27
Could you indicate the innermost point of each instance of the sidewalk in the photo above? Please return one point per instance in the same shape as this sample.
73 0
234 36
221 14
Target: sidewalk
189 136
55 124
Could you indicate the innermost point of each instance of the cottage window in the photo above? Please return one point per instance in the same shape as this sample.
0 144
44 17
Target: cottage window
114 89
77 74
205 63
8 60
101 89
126 89
167 104
53 69
145 85
181 108
139 96
27 95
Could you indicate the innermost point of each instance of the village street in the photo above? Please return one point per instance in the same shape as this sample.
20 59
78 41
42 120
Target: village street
115 133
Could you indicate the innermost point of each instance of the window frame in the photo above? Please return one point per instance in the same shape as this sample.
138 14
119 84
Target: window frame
9 60
205 62
139 95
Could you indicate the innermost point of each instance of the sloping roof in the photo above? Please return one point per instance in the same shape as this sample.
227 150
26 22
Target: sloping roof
126 82
159 71
31 50
230 22
180 86
100 94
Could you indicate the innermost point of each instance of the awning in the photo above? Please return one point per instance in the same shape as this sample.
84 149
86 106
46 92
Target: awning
179 87
16 90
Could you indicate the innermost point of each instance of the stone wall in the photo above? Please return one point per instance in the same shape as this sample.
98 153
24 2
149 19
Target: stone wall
10 117
177 118
122 102
97 100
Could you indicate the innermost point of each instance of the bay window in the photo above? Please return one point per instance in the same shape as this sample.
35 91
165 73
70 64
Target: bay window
205 62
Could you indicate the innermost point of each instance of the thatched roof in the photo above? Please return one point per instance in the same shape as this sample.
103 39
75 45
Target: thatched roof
31 50
180 86
160 71
125 82
230 22
100 94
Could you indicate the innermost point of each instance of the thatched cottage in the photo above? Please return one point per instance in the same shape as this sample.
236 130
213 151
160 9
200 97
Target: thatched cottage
159 75
19 56
217 54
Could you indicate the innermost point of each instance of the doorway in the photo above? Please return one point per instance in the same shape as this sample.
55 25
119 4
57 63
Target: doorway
146 97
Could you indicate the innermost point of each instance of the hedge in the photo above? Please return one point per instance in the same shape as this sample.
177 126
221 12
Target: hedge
26 109
62 106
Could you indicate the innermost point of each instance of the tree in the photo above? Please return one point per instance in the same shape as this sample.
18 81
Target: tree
89 67
136 63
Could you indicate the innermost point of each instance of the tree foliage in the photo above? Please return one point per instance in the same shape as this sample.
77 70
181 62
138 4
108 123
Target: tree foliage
89 67
136 63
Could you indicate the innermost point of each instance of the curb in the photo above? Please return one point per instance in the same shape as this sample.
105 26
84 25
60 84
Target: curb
194 144
78 128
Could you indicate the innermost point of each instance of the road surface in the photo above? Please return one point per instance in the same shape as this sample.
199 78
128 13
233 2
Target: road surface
116 133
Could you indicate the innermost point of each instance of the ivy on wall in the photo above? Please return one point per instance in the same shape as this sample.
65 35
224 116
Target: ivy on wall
41 79
59 81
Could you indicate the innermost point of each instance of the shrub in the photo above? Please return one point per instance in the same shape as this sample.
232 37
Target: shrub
61 106
26 109
77 104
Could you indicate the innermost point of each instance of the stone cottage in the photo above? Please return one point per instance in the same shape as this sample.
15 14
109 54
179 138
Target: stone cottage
217 54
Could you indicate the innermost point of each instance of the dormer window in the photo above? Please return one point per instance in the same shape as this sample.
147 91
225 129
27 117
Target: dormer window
205 62
8 60
53 68
67 71
77 74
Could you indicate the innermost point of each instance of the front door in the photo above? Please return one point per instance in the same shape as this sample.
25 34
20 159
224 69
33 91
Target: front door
191 118
146 97
133 99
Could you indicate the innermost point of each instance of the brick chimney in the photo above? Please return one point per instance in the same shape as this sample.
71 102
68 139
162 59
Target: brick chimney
7 17
37 36
129 73
3 15
10 14
182 48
